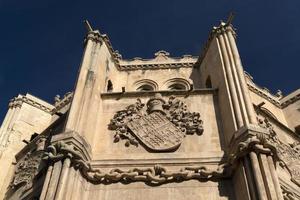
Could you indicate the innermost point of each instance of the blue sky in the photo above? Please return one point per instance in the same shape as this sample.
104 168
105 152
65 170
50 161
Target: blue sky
42 41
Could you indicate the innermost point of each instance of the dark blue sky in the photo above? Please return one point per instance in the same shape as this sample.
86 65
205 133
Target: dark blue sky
41 42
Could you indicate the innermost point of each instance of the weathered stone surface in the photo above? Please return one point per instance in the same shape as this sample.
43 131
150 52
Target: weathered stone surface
161 128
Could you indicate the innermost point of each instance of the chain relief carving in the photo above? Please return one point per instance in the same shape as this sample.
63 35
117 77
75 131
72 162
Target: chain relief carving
152 175
158 125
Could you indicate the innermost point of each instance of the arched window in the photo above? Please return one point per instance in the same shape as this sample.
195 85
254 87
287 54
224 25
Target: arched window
145 87
176 84
109 86
208 82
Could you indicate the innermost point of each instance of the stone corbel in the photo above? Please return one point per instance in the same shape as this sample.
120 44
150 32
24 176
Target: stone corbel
68 144
250 138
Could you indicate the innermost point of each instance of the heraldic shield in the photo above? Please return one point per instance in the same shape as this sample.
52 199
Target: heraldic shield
156 132
159 126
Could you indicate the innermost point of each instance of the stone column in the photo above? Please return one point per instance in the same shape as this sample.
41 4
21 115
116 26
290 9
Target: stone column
62 186
275 178
241 77
232 86
46 182
260 187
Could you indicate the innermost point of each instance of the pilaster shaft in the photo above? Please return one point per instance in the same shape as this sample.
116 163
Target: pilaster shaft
83 88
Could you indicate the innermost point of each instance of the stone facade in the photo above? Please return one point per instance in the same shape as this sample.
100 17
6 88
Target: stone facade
160 128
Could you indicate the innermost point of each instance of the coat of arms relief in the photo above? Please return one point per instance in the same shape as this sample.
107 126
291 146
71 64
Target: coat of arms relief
158 125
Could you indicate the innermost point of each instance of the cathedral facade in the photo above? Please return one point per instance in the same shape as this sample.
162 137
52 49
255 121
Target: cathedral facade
161 128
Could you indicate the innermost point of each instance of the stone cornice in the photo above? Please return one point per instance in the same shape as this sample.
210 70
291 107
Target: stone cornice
19 100
163 92
288 101
162 60
156 66
269 97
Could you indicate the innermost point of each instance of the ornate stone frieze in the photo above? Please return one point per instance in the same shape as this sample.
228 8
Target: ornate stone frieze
288 154
155 175
160 125
18 101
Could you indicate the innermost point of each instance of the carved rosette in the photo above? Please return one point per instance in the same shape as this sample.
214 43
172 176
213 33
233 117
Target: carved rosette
160 125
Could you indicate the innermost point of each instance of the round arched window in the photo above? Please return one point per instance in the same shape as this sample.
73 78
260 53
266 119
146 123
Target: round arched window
145 87
177 86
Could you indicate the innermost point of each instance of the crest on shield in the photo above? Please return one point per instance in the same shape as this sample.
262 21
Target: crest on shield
159 126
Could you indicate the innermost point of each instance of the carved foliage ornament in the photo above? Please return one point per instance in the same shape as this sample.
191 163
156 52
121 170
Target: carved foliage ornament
160 125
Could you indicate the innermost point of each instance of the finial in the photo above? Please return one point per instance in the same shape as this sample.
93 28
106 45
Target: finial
88 26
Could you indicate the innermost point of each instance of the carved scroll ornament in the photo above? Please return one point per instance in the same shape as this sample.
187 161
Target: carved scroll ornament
160 125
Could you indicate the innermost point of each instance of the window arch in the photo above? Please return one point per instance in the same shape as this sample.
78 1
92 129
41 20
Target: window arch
177 84
109 86
145 85
208 83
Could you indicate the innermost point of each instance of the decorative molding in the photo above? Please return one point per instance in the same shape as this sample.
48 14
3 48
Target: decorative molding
162 60
266 95
160 126
290 101
19 100
143 66
184 93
